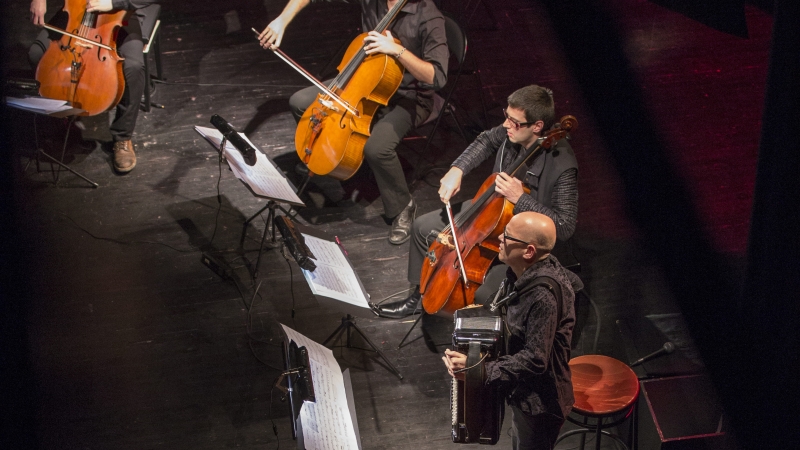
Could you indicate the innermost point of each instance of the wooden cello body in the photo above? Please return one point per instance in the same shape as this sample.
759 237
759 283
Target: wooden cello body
329 138
477 231
441 283
87 75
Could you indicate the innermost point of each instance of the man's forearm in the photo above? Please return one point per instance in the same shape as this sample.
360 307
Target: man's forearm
421 70
292 9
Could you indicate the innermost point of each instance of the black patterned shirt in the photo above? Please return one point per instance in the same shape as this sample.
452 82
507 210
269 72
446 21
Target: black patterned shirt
535 374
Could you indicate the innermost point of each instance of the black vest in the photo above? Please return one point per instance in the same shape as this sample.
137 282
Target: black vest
543 172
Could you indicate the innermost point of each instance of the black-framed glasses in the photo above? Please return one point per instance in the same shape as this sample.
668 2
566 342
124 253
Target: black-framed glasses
514 123
506 237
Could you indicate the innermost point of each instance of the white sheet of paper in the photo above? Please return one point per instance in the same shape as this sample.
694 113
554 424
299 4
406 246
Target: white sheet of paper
263 178
333 277
327 424
38 104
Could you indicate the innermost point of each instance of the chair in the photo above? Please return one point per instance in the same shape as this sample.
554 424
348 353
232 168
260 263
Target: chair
150 25
457 43
605 389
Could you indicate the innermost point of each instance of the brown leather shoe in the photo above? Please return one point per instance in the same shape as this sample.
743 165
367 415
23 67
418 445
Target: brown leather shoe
124 157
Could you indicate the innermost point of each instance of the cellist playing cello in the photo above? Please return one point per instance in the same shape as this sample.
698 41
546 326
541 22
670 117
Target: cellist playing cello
129 46
551 177
423 52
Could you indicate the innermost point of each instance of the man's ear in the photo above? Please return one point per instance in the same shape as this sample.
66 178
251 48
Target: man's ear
538 126
530 252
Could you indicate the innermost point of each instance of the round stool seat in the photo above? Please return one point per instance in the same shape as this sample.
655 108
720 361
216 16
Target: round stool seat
602 385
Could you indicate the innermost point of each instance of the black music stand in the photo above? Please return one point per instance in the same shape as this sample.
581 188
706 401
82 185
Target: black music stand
280 191
400 345
348 323
298 351
299 385
72 114
269 228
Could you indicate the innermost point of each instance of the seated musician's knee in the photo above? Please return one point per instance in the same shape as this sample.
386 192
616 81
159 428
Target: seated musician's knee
300 100
37 49
378 150
133 66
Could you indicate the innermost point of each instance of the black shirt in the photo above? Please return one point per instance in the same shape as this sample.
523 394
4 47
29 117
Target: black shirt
420 28
535 374
552 176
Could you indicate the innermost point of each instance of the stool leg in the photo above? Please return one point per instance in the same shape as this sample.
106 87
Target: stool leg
599 433
583 435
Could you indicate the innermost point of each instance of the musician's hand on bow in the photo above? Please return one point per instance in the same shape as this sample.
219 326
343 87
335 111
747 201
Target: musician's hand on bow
38 10
450 184
454 361
509 187
272 36
380 43
99 5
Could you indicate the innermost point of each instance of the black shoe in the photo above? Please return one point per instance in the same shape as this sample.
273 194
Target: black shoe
301 169
401 308
401 226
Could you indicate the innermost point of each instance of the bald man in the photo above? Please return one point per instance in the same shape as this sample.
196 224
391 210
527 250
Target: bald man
534 375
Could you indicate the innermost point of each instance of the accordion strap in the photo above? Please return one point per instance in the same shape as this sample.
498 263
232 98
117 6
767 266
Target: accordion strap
473 381
552 285
549 282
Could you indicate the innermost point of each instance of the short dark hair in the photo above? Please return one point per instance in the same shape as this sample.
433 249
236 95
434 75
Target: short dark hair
537 102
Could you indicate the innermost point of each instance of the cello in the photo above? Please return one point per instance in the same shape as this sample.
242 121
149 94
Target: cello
333 130
456 267
83 67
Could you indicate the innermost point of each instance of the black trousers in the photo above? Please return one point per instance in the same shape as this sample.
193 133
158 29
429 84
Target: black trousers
424 231
389 126
129 46
534 432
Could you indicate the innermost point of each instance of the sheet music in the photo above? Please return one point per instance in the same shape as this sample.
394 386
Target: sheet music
38 104
327 424
263 178
334 276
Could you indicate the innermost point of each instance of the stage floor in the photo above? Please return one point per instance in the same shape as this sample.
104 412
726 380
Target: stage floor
134 343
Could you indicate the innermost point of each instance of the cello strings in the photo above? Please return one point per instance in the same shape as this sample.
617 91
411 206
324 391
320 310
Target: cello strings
466 214
344 76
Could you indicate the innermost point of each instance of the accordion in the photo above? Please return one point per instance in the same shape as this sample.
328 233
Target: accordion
477 409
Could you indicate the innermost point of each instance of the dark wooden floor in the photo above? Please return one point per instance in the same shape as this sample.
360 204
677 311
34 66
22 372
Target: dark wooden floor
134 343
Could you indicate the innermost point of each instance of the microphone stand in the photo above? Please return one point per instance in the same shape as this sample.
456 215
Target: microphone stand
271 204
221 148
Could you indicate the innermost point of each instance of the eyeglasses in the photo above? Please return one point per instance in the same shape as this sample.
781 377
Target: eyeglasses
514 123
506 237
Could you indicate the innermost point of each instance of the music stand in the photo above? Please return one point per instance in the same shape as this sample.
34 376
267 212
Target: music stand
335 283
264 180
51 108
400 345
323 404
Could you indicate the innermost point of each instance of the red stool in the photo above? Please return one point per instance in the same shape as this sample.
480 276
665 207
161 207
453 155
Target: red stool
604 388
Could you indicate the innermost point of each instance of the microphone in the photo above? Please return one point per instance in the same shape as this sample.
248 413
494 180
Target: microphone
295 243
668 348
247 151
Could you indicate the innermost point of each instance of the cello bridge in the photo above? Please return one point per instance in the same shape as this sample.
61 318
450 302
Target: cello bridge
328 104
